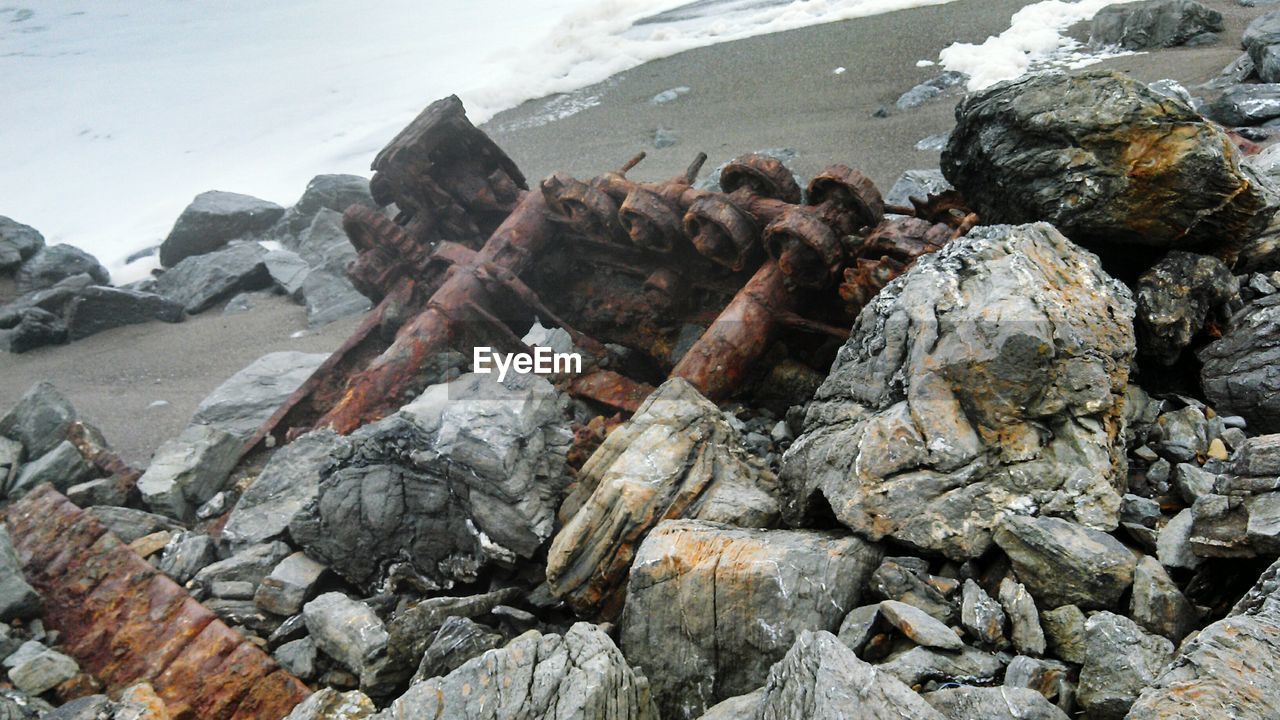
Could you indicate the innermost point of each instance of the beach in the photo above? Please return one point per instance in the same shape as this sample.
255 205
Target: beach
140 384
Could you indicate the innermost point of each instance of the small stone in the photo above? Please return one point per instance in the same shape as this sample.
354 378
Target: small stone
250 565
188 470
918 626
187 556
1024 619
298 657
859 626
980 615
1174 545
457 641
1122 659
149 545
1158 605
43 672
232 590
1064 631
347 631
62 467
1062 563
1050 678
289 585
329 704
1193 481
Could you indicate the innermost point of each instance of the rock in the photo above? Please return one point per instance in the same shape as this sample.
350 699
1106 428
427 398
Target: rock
1057 147
18 600
129 524
919 626
580 674
457 641
250 565
331 297
62 466
332 192
25 652
149 545
324 244
1262 32
907 579
91 707
298 657
1235 526
34 328
39 420
1237 373
188 470
288 482
18 242
1174 299
201 281
1153 24
233 590
1173 547
11 455
1193 481
140 702
1259 456
329 704
347 631
57 262
95 309
1246 104
187 556
288 270
112 490
859 627
247 399
1158 605
412 630
289 585
1122 659
1024 619
916 184
981 616
1051 679
920 665
908 437
212 220
246 301
1064 630
710 607
821 679
1063 563
676 458
997 703
43 672
736 708
466 475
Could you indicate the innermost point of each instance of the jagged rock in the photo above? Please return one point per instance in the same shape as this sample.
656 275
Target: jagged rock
329 704
62 466
332 192
324 244
201 281
1193 481
1063 563
290 480
331 297
981 616
1158 605
250 565
859 627
1174 299
580 674
247 399
18 600
1246 104
18 242
1050 678
33 328
189 470
298 657
1235 526
412 630
1064 630
920 665
710 607
290 584
1153 24
1238 374
1173 546
43 672
997 703
1122 659
288 270
95 309
58 262
1061 148
676 458
39 420
129 524
821 679
1259 456
1262 33
919 626
212 220
25 652
468 474
188 555
112 490
1024 619
347 631
933 420
140 702
916 184
457 641
91 707
907 579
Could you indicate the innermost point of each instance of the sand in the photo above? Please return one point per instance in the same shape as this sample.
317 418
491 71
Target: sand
775 91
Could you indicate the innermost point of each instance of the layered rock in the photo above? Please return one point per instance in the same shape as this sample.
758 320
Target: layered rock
1238 374
988 379
1066 564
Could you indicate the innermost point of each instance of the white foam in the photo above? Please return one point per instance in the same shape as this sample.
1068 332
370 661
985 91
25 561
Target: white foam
1034 39
116 114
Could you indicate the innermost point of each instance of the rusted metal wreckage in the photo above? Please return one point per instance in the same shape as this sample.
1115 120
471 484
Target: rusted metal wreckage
473 256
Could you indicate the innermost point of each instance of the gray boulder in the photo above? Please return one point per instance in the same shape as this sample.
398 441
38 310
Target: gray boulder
1239 374
129 524
457 641
325 245
289 585
932 423
95 309
1057 147
1175 297
43 672
468 474
298 657
1063 563
710 607
188 555
329 704
1262 32
1245 104
32 328
331 297
247 399
58 262
39 420
289 481
250 565
62 467
678 457
997 703
580 674
212 220
18 242
348 631
1153 24
288 270
201 281
918 184
1157 603
1122 659
332 192
18 600
189 470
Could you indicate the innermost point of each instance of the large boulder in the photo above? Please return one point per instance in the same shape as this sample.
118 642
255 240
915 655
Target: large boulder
39 420
1122 659
1105 159
678 457
1263 32
289 481
580 674
468 474
246 400
1153 24
18 242
1239 372
57 262
95 309
1175 297
711 607
187 471
1063 563
31 329
348 631
18 600
325 245
201 281
331 192
330 297
988 379
212 220
1245 104
994 703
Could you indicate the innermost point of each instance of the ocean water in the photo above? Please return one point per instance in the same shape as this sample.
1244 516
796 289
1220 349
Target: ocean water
116 113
